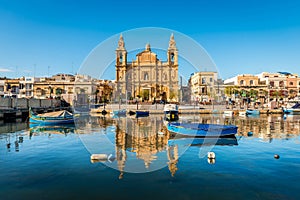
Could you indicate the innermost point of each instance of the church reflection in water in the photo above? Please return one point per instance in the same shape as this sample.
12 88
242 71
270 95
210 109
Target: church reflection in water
145 137
147 141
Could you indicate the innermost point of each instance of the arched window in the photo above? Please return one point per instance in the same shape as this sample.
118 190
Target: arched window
121 58
146 76
172 57
281 84
165 77
58 91
251 82
241 82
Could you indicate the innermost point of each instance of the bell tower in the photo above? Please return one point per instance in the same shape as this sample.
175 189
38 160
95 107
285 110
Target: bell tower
172 52
121 59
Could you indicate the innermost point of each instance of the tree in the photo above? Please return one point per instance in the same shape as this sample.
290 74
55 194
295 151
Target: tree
172 94
145 94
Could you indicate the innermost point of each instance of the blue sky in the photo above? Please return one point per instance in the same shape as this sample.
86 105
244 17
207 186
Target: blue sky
41 37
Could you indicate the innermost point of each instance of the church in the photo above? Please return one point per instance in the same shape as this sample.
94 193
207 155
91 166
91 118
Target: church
147 78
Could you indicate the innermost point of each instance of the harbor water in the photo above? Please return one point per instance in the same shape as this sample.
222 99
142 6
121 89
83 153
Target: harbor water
262 161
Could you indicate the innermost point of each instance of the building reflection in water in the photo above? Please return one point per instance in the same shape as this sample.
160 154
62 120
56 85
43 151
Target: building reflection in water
269 127
148 140
140 136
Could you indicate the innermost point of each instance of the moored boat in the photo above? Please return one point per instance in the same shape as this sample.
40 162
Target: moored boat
252 112
171 112
140 113
201 130
242 113
121 112
228 113
51 118
295 109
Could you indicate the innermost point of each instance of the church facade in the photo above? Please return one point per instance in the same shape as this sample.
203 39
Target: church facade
147 78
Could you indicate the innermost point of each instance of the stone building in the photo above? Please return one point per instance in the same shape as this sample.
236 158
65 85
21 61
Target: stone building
204 86
147 78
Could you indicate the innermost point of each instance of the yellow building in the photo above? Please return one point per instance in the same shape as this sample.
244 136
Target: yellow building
147 77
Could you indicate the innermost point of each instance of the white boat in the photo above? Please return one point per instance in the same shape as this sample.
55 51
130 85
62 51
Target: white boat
242 113
228 113
292 110
171 112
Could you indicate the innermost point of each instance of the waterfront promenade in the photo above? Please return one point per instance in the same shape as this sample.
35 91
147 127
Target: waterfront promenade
187 109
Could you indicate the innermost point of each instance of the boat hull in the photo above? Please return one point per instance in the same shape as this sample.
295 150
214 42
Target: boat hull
202 130
141 113
121 112
171 112
171 115
252 112
292 111
203 141
43 121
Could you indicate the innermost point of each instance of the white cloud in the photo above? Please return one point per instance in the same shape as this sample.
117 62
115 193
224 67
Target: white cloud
5 70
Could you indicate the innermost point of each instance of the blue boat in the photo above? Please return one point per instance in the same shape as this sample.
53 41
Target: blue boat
121 112
252 112
203 141
140 113
201 130
51 118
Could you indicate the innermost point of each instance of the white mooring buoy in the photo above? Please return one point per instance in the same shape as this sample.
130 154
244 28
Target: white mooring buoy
211 155
100 157
211 161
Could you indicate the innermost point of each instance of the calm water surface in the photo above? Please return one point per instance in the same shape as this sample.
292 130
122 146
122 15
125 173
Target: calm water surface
54 163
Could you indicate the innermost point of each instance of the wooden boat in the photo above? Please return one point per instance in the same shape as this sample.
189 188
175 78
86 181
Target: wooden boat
295 109
171 112
201 130
140 113
51 118
252 112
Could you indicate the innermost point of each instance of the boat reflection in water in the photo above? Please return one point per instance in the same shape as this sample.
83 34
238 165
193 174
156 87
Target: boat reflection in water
140 145
203 141
51 129
143 144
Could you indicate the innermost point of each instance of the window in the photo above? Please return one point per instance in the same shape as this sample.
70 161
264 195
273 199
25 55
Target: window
172 57
165 77
291 83
241 82
203 81
146 76
281 83
251 82
121 58
211 80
